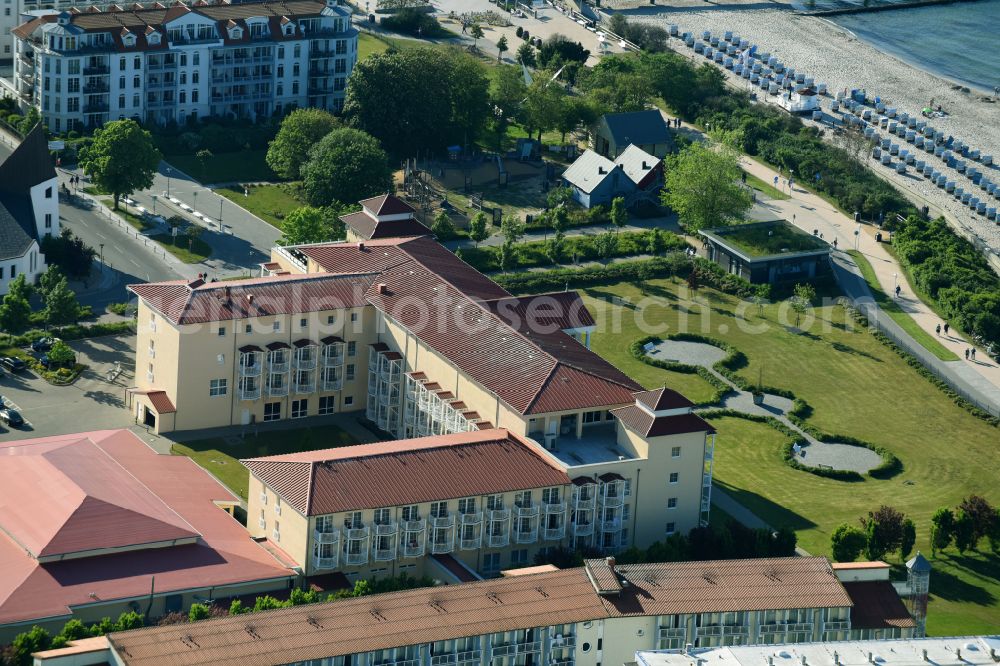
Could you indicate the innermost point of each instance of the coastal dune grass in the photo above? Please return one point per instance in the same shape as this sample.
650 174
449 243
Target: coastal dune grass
857 387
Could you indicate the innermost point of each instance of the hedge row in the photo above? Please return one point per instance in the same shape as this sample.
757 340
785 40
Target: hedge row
915 363
71 332
636 349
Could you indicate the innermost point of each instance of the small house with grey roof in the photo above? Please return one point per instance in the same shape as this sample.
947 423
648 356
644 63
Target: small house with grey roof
614 132
29 208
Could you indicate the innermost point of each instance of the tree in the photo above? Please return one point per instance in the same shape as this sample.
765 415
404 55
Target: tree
656 242
35 640
203 156
69 253
606 244
31 118
702 186
554 247
884 529
802 297
847 542
507 91
442 226
300 130
452 89
908 540
942 529
237 608
193 233
559 196
121 159
526 55
346 165
305 225
544 105
964 530
501 47
619 214
61 306
511 228
15 310
61 355
477 228
49 279
559 49
982 514
476 32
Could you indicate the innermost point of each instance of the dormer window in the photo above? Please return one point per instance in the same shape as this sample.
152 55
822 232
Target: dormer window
236 32
289 29
153 38
129 40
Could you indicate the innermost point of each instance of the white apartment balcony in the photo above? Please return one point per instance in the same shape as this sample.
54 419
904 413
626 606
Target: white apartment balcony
498 528
333 379
249 388
552 508
325 562
612 501
277 360
305 381
384 542
673 632
471 530
305 357
554 533
412 541
514 649
356 558
277 385
333 354
560 642
444 659
326 537
836 625
250 362
355 548
610 526
525 523
469 656
582 529
441 534
583 502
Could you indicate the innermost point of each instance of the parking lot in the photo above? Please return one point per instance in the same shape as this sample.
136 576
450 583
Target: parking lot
92 402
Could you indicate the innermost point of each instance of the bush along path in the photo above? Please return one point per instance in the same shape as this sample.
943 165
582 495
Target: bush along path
832 456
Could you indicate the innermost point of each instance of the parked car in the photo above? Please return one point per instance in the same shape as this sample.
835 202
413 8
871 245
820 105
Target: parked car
13 364
11 417
43 344
41 357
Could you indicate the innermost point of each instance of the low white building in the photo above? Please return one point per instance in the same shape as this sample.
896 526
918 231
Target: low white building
29 208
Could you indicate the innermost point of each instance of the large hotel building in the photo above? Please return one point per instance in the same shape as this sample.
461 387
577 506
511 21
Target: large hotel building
172 62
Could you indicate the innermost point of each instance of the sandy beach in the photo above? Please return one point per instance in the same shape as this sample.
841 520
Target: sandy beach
836 57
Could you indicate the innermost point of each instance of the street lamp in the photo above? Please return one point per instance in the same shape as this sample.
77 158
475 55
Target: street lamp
195 207
168 181
895 283
102 257
154 204
221 199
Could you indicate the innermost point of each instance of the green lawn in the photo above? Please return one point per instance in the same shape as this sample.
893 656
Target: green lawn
769 238
221 456
369 44
241 166
767 189
270 203
134 220
188 252
891 308
857 387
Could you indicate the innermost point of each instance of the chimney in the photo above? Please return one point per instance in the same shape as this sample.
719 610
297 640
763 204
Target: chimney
600 170
226 292
923 655
361 246
250 299
611 562
381 289
644 165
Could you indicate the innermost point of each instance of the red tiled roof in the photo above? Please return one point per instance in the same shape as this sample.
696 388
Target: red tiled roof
662 399
161 402
877 606
555 311
198 302
642 422
386 204
132 495
394 473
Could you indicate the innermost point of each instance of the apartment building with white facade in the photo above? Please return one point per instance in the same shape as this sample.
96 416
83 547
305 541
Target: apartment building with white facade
163 64
602 613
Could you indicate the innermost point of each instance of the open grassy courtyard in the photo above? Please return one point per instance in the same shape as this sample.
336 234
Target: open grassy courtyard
857 387
271 203
221 456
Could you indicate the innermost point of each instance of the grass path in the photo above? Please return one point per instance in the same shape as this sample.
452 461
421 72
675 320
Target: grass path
857 387
891 308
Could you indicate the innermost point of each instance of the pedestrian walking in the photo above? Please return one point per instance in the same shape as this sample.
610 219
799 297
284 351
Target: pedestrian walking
973 352
946 326
937 329
897 291
834 243
966 353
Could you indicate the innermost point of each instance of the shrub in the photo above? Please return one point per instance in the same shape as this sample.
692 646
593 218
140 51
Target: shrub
519 32
412 21
847 542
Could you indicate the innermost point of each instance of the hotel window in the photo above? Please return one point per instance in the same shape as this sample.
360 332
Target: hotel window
276 326
494 502
217 387
354 316
491 562
300 408
519 557
48 220
48 192
352 348
136 82
277 531
671 528
467 505
628 487
302 323
626 511
411 512
330 319
675 452
672 503
262 521
327 405
381 517
272 411
277 505
263 497
349 375
352 520
348 401
674 477
439 509
222 331
248 329
550 496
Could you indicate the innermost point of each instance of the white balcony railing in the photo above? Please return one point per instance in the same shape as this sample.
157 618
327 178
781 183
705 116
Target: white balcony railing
325 562
249 368
277 362
305 358
277 388
554 533
612 501
583 529
356 558
250 391
613 525
326 537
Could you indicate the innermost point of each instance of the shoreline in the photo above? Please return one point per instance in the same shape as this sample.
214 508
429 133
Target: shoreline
837 11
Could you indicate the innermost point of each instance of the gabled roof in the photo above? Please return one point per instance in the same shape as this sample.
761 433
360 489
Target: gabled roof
557 310
412 471
185 302
663 398
637 163
877 606
645 424
642 127
29 165
588 171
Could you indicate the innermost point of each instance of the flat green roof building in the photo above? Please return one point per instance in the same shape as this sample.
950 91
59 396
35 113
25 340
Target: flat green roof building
768 252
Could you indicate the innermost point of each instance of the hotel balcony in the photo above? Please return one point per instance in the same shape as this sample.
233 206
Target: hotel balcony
836 625
552 508
277 359
562 642
332 381
610 526
326 562
384 543
326 537
277 385
612 501
249 389
554 533
583 529
672 632
514 649
412 544
306 385
333 354
356 559
305 357
441 535
525 524
96 70
250 364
